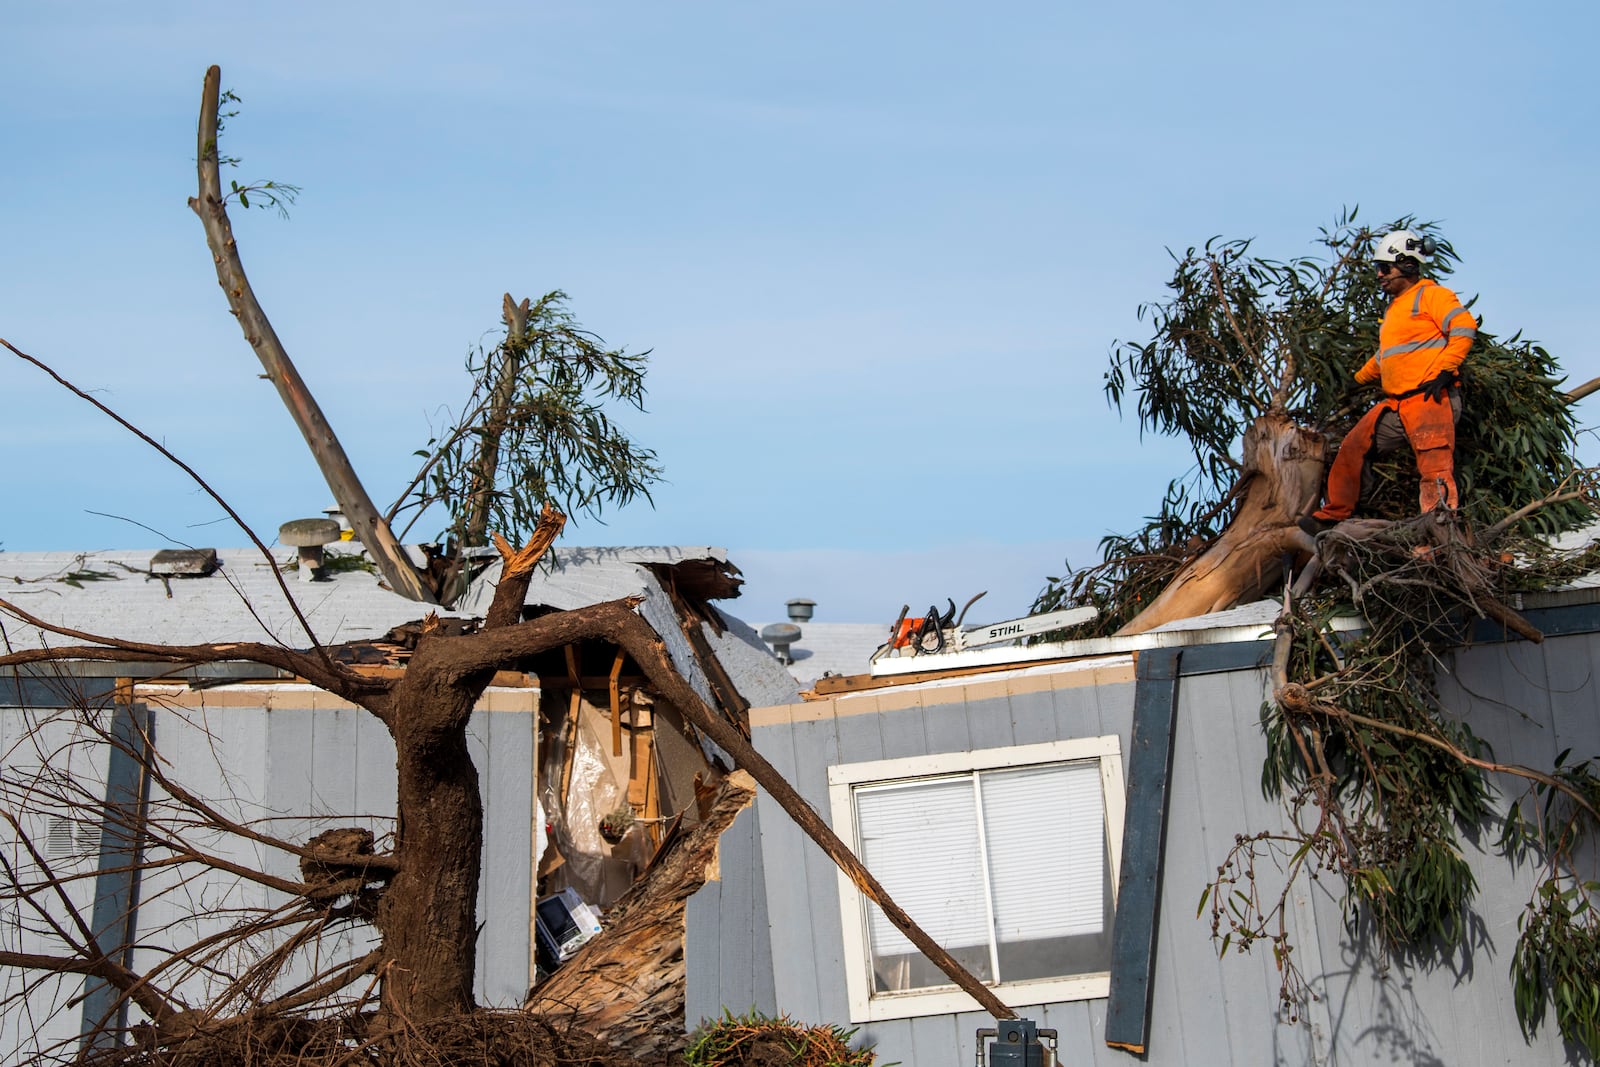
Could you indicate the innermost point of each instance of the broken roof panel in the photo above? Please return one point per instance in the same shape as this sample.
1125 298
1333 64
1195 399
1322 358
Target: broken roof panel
578 577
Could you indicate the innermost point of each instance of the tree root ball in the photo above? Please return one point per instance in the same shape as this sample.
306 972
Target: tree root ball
482 1038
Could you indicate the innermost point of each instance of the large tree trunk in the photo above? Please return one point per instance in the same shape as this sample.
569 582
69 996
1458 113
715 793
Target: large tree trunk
1281 481
428 914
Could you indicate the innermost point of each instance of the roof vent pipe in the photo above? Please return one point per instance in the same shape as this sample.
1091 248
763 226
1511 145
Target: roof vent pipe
309 535
800 610
780 635
336 513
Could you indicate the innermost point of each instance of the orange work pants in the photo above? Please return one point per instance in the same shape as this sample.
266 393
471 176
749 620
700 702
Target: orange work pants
1430 427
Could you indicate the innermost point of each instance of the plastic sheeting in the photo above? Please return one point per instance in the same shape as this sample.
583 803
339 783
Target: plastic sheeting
600 871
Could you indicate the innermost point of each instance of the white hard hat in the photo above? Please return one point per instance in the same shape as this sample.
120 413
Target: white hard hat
1391 246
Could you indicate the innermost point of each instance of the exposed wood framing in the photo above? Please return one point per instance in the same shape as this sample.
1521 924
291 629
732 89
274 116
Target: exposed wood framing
616 704
571 726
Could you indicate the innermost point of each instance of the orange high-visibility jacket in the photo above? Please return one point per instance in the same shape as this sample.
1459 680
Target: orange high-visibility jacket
1425 331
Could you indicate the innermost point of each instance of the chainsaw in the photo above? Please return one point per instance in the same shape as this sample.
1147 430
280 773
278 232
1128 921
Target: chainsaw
939 633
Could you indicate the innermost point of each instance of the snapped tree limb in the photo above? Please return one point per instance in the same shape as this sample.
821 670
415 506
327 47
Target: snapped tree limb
347 489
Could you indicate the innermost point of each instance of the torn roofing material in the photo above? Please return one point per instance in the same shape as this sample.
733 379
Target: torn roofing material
673 584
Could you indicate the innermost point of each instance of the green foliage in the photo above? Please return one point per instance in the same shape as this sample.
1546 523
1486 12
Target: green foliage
736 1040
534 428
1239 335
277 195
271 194
339 563
1557 962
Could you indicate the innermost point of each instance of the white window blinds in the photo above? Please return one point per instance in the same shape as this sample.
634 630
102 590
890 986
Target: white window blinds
1043 875
921 842
1045 828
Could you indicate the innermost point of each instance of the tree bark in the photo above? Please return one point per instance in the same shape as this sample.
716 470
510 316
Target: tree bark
1282 478
476 528
347 489
428 914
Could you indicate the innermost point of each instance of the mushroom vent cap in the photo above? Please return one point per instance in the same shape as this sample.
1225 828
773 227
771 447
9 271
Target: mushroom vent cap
309 533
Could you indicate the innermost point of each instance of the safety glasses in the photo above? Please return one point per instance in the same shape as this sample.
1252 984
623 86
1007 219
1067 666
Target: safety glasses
1384 268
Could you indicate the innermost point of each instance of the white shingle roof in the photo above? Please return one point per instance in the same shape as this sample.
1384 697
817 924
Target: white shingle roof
111 594
115 596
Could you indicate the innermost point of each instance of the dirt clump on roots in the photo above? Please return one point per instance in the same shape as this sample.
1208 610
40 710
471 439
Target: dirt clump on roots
481 1038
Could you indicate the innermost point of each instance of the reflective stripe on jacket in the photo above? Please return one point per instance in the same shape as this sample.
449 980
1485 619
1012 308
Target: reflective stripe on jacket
1425 331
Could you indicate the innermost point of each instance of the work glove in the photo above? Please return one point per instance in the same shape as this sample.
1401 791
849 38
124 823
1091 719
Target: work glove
1434 390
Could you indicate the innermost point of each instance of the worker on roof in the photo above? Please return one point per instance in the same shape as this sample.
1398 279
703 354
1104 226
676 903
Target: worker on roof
1423 340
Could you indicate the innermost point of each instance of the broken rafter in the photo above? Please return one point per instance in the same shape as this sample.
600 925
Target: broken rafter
616 704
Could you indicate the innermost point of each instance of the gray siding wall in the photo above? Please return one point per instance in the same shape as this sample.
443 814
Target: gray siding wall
727 939
1528 701
296 771
807 935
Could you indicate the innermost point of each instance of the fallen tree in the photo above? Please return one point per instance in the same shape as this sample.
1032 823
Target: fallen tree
1380 781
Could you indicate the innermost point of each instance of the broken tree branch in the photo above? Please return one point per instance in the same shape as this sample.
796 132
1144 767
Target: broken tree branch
501 393
618 622
155 1003
647 650
339 680
347 489
1296 697
517 568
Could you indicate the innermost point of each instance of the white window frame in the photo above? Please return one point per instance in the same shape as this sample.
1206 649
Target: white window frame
844 779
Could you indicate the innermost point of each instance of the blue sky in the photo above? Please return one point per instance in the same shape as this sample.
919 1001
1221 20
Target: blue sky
879 251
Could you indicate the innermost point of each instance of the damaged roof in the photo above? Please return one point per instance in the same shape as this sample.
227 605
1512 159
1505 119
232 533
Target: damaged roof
141 595
826 649
577 577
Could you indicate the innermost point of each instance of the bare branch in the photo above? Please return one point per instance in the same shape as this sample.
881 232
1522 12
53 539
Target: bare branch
209 205
1238 331
313 991
319 669
1297 698
194 475
1577 394
1561 495
156 1004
